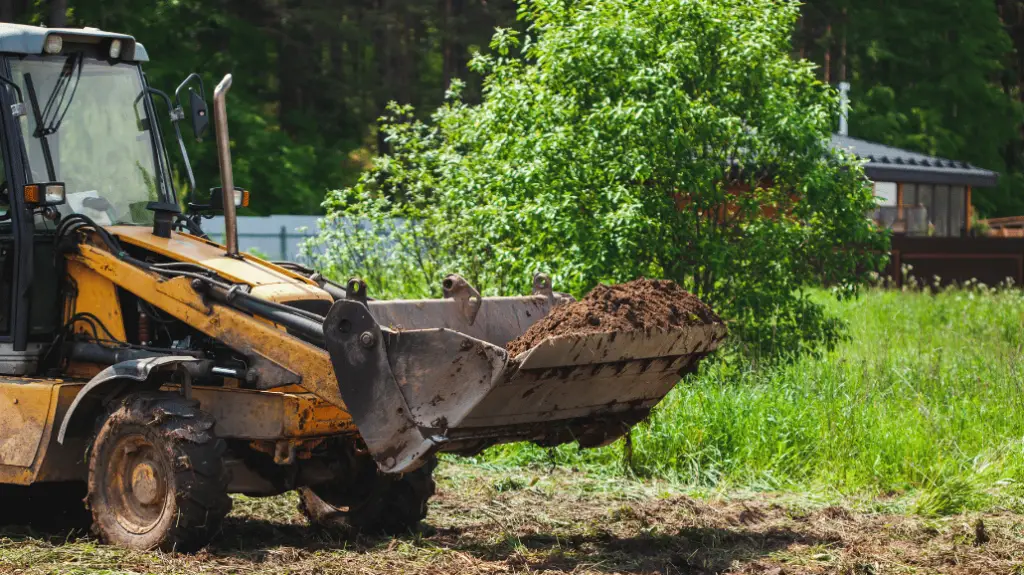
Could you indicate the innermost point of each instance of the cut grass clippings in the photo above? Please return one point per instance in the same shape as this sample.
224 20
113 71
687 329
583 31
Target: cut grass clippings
492 520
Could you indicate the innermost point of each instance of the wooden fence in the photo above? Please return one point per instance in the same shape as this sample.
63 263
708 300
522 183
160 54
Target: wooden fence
988 260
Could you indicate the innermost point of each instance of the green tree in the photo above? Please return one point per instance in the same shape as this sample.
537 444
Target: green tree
920 82
923 84
620 138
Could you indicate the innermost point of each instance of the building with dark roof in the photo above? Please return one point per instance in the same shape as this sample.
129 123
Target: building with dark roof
926 202
919 195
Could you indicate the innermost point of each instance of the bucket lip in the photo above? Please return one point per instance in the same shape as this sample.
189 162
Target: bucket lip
584 348
705 339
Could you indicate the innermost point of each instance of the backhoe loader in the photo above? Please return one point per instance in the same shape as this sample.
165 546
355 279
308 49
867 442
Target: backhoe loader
153 372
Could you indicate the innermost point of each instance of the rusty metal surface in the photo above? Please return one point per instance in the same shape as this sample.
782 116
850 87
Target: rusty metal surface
577 376
227 180
448 386
498 321
542 285
457 288
596 348
267 415
577 392
443 374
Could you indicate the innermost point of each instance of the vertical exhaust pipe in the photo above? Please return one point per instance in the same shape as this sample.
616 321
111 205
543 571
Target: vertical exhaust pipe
227 178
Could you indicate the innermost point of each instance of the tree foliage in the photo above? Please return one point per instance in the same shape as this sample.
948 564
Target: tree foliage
620 138
942 77
313 76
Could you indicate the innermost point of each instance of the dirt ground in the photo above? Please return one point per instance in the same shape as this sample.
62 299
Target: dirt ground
492 521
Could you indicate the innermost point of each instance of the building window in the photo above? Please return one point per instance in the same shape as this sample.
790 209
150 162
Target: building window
934 210
886 202
885 193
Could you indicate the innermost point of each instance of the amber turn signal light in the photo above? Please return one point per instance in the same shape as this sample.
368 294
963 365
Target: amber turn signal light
45 194
32 194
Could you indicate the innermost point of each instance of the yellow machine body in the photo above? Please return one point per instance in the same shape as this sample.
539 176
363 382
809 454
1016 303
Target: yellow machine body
32 408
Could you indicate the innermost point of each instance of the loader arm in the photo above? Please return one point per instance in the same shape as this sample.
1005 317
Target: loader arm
279 358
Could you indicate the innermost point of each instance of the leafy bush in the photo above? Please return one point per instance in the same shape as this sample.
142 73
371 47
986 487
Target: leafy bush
624 138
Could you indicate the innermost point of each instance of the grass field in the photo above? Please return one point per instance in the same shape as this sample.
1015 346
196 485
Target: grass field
901 451
925 397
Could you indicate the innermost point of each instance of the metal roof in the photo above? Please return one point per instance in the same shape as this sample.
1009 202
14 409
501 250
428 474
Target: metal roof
21 39
888 164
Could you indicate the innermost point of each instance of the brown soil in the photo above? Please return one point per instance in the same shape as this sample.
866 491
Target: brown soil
555 522
637 305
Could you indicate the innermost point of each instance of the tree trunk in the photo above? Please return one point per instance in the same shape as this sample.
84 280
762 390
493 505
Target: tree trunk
293 54
382 53
6 10
58 17
448 28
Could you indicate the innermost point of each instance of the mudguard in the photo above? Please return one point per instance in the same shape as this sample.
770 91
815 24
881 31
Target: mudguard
111 380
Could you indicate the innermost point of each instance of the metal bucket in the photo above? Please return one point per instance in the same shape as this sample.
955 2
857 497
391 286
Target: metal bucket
433 375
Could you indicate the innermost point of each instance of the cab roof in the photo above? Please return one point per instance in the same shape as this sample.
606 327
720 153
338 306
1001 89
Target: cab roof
22 39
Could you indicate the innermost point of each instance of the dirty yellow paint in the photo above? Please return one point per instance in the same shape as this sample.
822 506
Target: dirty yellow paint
250 414
24 408
56 462
41 404
235 329
96 295
268 281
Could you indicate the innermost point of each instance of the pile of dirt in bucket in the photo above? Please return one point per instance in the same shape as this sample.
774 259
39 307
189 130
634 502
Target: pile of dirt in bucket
637 305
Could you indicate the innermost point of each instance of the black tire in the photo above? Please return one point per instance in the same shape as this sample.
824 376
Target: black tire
391 505
156 475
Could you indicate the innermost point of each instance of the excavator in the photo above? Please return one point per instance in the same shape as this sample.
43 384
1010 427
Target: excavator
148 372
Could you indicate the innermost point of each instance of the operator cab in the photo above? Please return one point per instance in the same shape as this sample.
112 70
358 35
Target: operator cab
77 120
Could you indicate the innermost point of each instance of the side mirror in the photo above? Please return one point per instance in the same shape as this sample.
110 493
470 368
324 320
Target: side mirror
196 104
200 118
44 194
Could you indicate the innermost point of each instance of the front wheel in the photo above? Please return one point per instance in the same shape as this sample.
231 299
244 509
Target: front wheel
156 475
385 504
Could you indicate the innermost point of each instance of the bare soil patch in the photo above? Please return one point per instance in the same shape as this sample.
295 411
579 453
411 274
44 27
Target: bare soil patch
637 305
496 521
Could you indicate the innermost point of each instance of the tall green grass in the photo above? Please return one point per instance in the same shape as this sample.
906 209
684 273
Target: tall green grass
925 395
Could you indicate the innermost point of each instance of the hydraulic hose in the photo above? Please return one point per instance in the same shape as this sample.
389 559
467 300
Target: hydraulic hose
305 325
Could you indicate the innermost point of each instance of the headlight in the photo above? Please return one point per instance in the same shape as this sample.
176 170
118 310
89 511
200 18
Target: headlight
54 44
241 198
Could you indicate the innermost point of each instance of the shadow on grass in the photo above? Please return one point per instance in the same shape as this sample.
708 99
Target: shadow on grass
668 547
693 549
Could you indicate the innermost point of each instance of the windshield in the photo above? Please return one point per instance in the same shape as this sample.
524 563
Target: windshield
86 125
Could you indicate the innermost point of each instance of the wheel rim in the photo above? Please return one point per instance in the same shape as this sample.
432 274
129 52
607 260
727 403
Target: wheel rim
136 489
